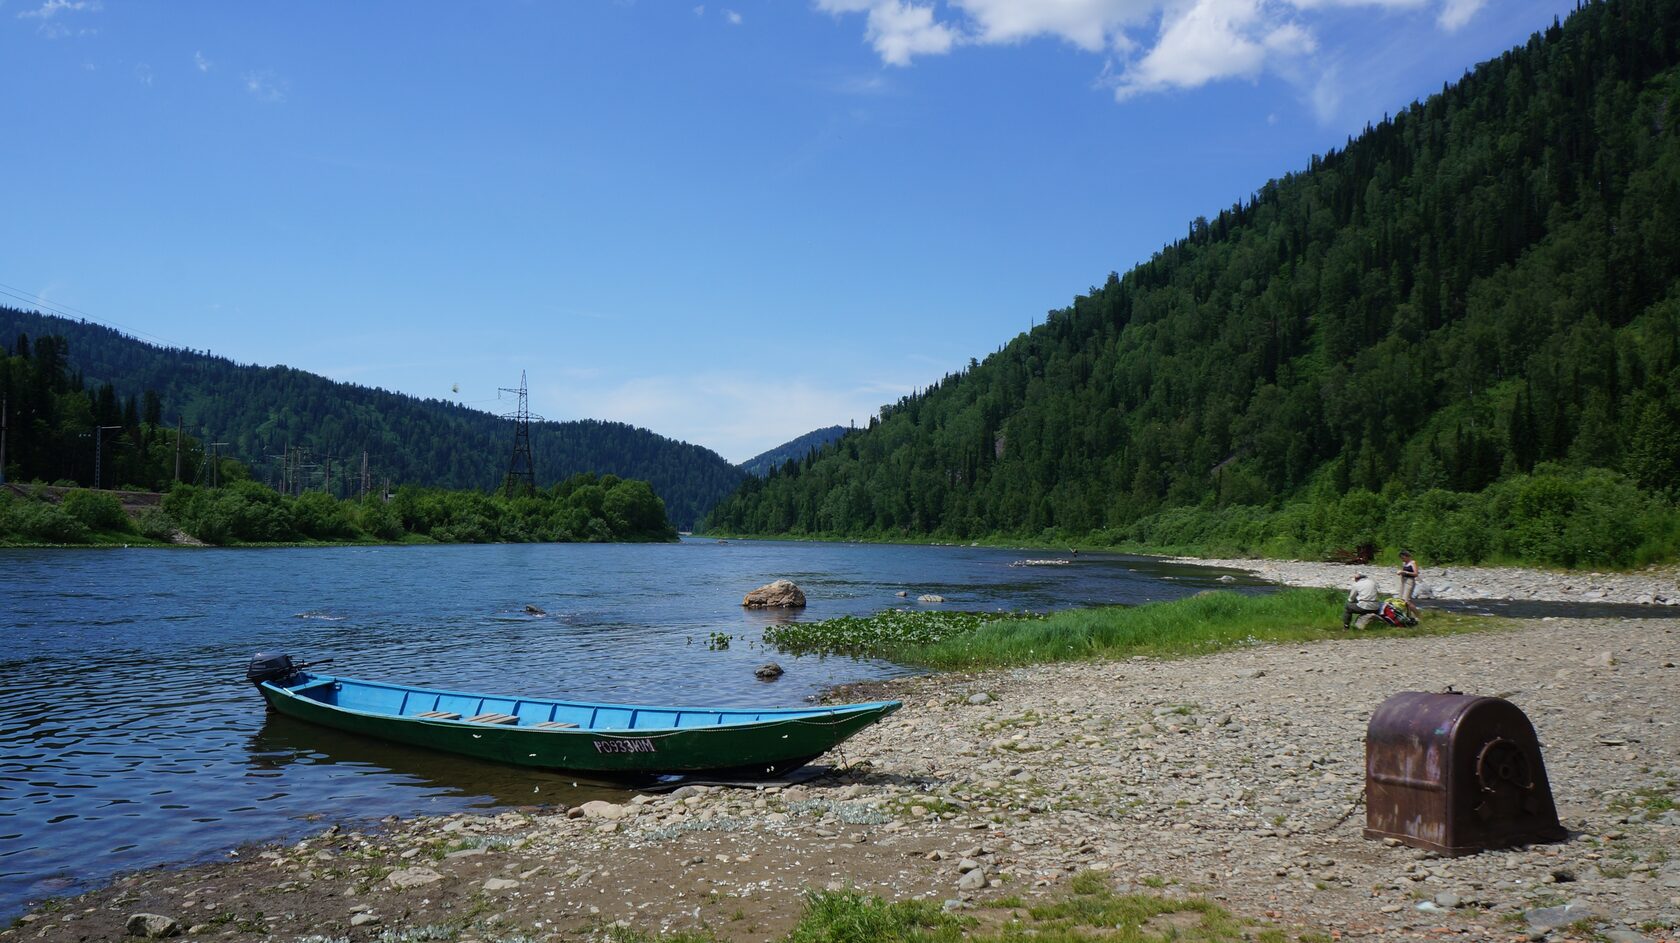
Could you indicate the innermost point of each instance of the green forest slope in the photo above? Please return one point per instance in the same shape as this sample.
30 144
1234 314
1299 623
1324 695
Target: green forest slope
1428 335
792 450
259 411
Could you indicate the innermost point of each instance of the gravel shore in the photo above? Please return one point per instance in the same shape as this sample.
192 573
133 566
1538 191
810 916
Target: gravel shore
1653 586
1237 776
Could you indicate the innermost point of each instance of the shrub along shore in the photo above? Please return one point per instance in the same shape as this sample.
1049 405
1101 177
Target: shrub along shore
585 508
1556 517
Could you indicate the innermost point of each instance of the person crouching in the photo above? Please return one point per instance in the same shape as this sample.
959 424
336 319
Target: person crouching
1361 601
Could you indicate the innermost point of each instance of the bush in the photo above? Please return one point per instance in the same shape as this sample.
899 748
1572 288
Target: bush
321 516
379 519
49 523
156 524
97 510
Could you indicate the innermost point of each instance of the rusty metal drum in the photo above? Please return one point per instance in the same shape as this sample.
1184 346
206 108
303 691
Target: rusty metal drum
1457 774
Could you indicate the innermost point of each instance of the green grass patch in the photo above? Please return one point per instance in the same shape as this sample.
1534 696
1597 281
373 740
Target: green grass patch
892 630
1092 913
1199 624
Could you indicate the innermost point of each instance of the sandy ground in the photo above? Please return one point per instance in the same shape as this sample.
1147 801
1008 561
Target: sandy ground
1238 776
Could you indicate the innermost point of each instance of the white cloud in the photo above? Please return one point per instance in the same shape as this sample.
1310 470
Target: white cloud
898 31
1195 41
200 63
1456 13
265 86
52 8
733 17
1092 25
143 72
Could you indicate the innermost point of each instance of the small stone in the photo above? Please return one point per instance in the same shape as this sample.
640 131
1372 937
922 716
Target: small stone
930 598
1447 900
500 884
972 880
981 698
601 809
769 671
967 864
363 919
1249 674
1625 936
1550 918
413 877
151 926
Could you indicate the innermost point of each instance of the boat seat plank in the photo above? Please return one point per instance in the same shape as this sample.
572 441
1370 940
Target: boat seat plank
554 725
439 715
493 718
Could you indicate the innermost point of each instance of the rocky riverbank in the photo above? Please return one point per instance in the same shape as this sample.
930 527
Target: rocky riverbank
1236 776
1659 586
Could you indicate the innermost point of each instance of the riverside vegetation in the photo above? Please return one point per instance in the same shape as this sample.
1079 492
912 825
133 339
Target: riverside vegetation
1199 624
62 380
583 508
1459 333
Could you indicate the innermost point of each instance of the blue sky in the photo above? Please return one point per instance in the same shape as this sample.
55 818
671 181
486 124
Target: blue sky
729 223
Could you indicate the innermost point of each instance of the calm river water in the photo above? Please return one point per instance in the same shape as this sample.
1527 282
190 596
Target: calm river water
128 737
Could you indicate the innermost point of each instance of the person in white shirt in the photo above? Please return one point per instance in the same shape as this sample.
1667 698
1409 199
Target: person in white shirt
1361 601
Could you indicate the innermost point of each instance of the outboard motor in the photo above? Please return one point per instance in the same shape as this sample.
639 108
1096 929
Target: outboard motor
270 666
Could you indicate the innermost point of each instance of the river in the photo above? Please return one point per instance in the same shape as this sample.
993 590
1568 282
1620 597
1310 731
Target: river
129 738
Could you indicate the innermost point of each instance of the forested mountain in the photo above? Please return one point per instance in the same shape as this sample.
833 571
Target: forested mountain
1478 289
259 411
762 463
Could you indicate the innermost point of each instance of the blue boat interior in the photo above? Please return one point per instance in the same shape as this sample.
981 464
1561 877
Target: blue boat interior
424 704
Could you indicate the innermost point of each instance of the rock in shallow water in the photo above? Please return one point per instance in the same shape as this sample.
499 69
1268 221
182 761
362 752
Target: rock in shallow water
781 594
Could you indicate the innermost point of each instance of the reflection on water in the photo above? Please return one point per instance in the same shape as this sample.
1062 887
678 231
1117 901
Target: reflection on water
284 741
128 737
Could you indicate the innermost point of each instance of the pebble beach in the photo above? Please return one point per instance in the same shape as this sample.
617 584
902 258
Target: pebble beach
1235 777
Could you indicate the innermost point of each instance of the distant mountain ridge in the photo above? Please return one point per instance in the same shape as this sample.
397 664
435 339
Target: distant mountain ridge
813 441
258 411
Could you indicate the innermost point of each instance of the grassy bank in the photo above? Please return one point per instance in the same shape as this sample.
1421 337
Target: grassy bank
1091 913
1196 625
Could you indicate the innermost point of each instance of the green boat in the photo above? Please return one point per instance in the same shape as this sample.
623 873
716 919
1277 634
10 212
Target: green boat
621 741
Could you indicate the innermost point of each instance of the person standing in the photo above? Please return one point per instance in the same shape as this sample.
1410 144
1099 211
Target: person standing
1408 573
1361 601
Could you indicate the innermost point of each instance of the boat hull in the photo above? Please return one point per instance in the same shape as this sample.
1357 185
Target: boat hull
762 749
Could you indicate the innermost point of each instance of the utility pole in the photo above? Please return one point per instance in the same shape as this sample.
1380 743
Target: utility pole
98 457
3 404
364 469
328 461
178 425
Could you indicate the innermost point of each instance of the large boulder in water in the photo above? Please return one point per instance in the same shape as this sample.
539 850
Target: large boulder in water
782 594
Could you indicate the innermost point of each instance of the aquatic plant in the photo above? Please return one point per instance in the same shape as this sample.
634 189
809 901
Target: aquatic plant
882 634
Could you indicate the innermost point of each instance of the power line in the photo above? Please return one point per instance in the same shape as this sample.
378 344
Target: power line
71 313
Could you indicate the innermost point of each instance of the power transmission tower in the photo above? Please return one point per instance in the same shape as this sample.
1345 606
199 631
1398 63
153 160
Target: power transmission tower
178 424
364 475
521 474
216 464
